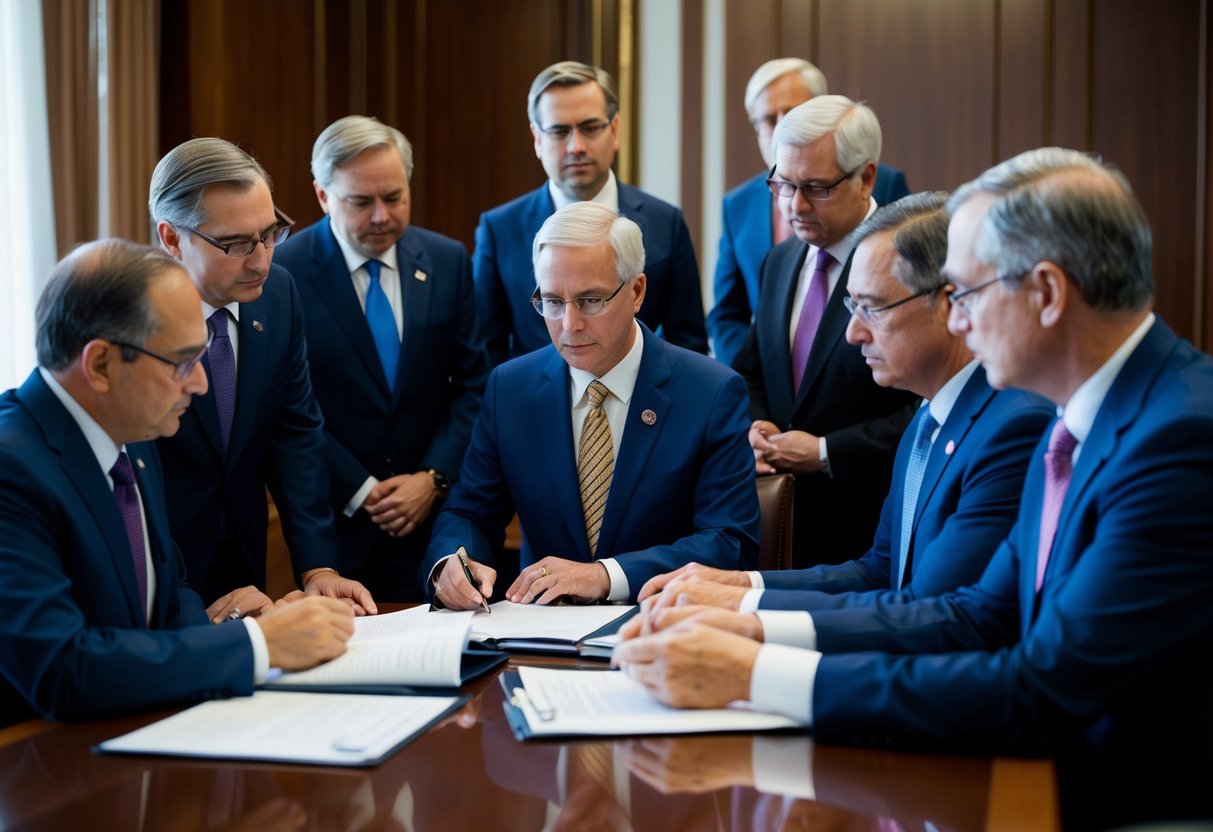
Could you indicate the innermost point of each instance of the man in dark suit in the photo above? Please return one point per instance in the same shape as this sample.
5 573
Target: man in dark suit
95 615
752 221
1089 634
624 456
574 113
395 443
258 425
817 412
960 465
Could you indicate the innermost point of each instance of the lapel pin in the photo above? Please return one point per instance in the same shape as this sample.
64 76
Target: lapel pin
950 448
419 275
257 325
139 462
649 418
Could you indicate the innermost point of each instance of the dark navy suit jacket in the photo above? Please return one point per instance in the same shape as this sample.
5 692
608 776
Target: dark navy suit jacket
745 239
216 503
1112 655
835 515
73 640
505 277
683 488
426 420
967 502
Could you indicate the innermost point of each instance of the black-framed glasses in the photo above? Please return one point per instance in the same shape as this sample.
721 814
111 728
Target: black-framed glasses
783 188
588 305
874 315
589 129
963 299
181 369
243 248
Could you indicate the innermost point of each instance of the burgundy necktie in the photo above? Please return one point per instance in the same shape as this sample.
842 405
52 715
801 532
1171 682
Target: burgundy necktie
127 497
222 364
810 317
1059 466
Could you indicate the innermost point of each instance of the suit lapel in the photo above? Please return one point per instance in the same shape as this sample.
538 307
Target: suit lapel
416 294
205 412
829 333
553 398
786 263
250 370
639 439
157 531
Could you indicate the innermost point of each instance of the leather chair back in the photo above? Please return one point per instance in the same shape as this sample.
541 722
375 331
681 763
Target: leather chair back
775 493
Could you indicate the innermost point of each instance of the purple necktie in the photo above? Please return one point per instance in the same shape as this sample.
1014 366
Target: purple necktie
810 317
127 497
223 373
1059 466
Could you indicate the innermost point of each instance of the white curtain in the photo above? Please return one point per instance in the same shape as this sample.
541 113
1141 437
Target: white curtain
27 227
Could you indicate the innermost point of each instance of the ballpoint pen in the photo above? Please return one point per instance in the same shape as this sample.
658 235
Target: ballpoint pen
467 573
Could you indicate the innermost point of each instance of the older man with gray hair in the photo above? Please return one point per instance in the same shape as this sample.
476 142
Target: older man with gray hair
397 363
258 425
624 456
752 221
817 412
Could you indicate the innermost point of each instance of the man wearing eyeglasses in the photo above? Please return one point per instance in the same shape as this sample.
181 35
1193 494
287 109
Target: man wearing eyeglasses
751 219
960 465
96 617
574 114
258 426
817 412
624 456
396 359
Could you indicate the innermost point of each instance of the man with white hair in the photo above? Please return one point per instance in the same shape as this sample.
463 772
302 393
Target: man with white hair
752 222
623 455
817 411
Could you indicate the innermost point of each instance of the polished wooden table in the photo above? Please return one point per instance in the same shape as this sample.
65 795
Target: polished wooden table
470 773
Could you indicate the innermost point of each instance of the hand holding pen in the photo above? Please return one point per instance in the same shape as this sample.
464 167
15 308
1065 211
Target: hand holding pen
467 587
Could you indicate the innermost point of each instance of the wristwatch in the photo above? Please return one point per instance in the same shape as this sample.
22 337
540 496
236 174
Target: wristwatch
441 481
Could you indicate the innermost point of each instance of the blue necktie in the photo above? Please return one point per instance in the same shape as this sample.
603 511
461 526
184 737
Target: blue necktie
127 497
383 324
222 365
917 466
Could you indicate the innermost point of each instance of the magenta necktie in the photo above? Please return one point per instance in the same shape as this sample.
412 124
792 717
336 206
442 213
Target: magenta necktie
810 317
127 497
222 364
1059 466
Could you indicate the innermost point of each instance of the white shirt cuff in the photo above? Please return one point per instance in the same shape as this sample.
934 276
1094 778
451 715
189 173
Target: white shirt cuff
749 601
792 628
620 591
784 765
824 455
782 682
261 651
756 579
359 497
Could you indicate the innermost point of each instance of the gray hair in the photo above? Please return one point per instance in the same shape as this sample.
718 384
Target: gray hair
346 138
99 290
919 223
572 74
587 225
181 178
857 137
770 72
1065 207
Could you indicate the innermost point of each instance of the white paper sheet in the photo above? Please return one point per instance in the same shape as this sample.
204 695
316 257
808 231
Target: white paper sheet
323 728
569 623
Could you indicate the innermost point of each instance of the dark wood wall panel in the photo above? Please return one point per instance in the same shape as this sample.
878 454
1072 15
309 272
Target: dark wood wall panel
1023 54
752 36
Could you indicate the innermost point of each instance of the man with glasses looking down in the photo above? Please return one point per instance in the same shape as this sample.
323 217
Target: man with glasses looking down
573 110
258 425
624 456
817 412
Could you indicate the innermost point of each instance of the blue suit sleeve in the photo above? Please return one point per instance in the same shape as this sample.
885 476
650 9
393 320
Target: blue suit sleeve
492 307
729 320
683 324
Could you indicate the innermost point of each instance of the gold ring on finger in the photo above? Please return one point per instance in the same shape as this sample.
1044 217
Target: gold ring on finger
543 571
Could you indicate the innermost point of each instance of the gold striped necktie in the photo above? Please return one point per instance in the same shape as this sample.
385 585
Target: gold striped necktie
595 464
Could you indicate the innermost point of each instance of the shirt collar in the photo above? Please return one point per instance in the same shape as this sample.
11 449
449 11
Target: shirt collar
1079 412
620 379
103 446
355 261
608 196
945 399
233 308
